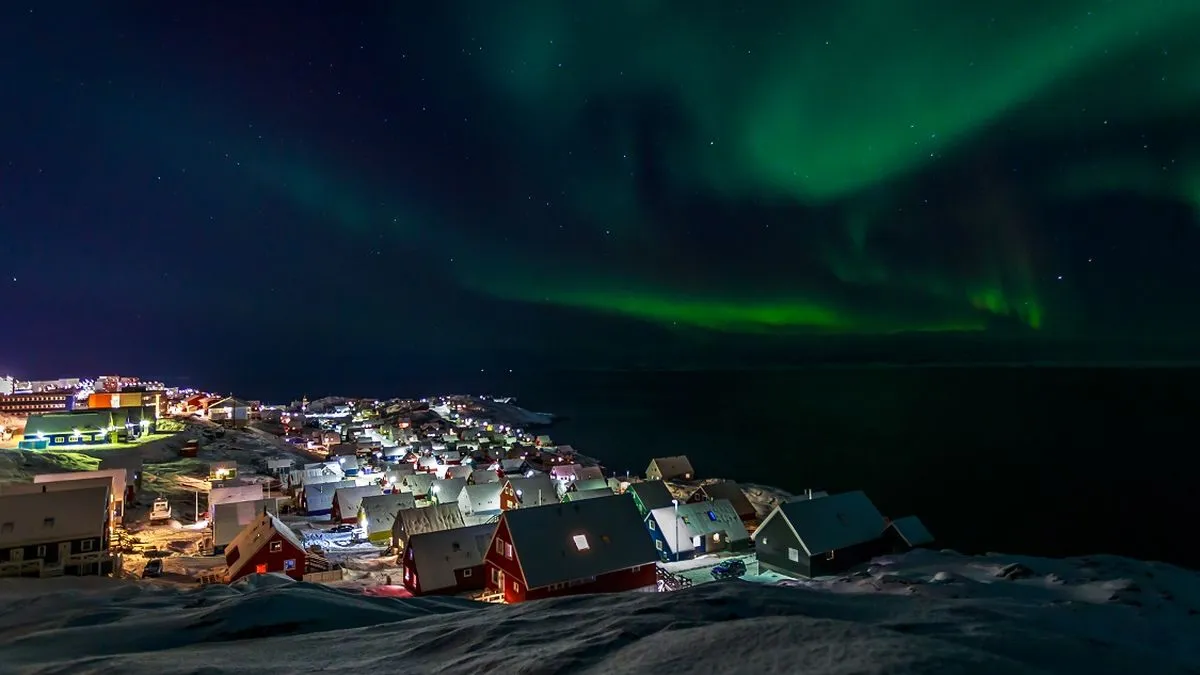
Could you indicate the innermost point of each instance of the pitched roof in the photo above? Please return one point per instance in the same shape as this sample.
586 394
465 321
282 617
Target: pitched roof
256 535
831 523
652 494
117 476
730 491
229 402
535 490
448 489
319 497
484 476
563 542
565 471
699 519
670 467
65 423
912 531
230 518
348 499
428 519
381 510
235 493
579 495
480 498
52 516
437 555
460 471
590 473
418 483
583 485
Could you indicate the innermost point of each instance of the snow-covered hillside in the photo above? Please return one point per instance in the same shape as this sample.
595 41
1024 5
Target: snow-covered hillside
925 612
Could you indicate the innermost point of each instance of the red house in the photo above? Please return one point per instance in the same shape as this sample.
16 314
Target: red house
266 545
536 490
590 546
447 561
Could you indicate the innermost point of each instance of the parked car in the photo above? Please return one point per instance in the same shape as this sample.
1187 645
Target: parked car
342 529
729 569
154 568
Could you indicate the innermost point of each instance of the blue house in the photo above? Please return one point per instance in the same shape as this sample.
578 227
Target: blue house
684 531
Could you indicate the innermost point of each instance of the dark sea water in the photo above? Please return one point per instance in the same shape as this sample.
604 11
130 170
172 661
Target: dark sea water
1043 461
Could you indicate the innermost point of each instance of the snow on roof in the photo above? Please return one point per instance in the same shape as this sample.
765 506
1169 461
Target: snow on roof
116 475
480 498
280 463
567 472
438 555
428 519
52 516
426 462
448 489
512 465
230 518
589 473
563 542
460 471
484 476
381 510
348 499
831 523
418 483
236 493
535 490
730 491
652 494
912 531
592 484
256 535
319 497
229 402
699 519
671 467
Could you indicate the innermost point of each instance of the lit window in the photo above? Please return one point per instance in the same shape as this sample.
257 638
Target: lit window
276 546
516 587
499 547
581 542
289 564
508 551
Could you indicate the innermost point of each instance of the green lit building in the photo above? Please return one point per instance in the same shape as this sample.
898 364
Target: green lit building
76 428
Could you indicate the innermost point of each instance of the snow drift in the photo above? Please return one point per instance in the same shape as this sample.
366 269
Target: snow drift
922 613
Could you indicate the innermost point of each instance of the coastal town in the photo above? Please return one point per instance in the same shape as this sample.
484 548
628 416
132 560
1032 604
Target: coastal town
459 495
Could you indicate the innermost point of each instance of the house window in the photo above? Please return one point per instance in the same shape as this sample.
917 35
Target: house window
500 547
495 576
41 551
467 572
276 546
830 556
508 551
261 568
581 542
650 524
47 522
86 544
289 564
793 554
658 544
516 587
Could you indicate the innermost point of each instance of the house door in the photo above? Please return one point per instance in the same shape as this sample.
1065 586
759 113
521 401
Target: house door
64 552
500 581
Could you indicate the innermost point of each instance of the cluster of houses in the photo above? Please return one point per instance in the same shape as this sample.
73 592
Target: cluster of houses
63 523
541 523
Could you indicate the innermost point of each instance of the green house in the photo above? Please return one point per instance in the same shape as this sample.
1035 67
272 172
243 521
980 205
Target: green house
71 428
650 495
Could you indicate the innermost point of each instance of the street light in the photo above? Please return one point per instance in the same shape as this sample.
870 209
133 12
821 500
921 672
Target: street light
675 546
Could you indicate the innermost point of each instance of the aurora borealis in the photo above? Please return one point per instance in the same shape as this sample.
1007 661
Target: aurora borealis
617 169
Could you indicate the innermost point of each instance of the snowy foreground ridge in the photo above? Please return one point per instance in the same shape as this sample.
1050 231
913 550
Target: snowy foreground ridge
924 612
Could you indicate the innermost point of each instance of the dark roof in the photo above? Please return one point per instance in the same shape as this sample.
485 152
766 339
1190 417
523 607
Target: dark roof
653 494
564 542
912 531
437 555
831 523
66 423
731 491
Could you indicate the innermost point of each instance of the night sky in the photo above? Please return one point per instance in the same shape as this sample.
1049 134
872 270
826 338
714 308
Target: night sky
224 190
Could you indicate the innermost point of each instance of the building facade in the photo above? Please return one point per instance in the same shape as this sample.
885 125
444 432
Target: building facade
32 403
